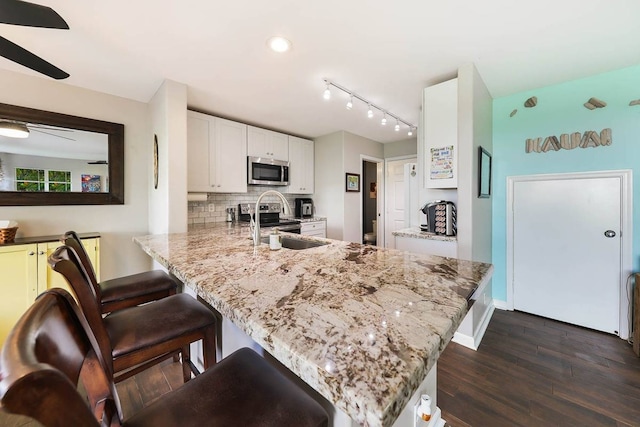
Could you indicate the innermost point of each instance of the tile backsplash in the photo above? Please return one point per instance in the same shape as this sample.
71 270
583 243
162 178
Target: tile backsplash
214 209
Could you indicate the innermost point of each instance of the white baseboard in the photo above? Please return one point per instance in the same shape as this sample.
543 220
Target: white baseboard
502 305
474 342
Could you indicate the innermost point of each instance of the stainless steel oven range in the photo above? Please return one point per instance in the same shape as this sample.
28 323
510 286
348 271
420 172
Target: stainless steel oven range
269 217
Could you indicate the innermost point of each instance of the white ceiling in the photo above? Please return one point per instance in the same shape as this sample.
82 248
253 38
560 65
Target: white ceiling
385 51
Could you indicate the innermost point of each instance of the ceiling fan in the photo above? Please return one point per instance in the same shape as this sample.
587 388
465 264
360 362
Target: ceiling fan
17 12
15 129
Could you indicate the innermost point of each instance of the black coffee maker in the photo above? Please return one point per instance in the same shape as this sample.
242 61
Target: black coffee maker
303 208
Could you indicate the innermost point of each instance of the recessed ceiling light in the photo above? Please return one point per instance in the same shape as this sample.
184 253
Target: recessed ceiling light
279 44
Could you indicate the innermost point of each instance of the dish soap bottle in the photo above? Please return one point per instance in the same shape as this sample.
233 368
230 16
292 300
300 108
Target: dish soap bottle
274 240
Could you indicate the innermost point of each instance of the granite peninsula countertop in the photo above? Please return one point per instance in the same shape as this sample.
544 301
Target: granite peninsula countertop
360 324
416 233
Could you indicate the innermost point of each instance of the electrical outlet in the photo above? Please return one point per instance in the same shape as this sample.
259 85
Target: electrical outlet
212 207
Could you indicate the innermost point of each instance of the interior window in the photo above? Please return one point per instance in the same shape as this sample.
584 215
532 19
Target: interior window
43 180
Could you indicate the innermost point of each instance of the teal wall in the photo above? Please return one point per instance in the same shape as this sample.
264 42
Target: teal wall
560 110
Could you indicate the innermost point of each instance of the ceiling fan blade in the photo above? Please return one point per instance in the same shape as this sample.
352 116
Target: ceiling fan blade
53 134
17 12
22 56
38 126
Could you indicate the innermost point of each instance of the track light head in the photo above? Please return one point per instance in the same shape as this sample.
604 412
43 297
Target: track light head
327 93
383 122
397 126
410 133
369 112
350 103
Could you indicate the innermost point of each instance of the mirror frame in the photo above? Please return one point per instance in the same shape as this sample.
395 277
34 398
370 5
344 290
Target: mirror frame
115 133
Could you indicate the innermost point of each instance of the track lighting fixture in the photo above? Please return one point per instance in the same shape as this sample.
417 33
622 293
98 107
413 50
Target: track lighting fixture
370 106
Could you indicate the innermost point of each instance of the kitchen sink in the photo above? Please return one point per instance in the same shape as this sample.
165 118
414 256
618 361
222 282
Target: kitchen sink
296 244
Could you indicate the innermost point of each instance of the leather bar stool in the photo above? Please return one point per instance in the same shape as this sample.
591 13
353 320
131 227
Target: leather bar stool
135 338
51 349
127 291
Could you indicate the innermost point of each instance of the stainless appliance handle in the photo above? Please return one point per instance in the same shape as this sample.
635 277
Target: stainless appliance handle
289 228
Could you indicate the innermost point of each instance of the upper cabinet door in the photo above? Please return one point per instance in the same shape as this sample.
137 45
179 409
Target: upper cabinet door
230 159
441 135
198 131
216 154
301 169
267 143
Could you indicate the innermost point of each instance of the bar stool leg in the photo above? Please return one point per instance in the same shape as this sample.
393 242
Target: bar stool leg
186 363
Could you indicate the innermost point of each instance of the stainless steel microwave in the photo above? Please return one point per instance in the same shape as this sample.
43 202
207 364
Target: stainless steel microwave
265 171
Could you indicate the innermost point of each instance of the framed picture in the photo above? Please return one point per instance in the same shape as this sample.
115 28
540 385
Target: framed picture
353 182
484 173
90 183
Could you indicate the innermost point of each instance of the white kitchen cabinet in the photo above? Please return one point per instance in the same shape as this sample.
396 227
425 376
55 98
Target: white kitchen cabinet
314 228
441 135
216 154
267 143
301 168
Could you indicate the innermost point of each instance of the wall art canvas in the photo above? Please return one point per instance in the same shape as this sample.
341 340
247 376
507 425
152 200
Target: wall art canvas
91 183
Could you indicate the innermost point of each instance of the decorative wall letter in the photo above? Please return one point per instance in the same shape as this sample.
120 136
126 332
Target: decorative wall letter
588 139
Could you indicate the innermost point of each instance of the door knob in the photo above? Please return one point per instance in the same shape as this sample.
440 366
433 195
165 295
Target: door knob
610 233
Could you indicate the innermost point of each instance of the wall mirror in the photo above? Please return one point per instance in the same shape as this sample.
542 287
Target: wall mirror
484 173
50 158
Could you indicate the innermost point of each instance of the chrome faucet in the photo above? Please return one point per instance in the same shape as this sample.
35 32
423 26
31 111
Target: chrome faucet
255 232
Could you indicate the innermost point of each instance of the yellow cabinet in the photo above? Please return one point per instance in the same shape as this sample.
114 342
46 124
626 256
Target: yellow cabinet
25 273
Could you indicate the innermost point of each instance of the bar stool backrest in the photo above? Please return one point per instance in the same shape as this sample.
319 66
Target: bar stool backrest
71 239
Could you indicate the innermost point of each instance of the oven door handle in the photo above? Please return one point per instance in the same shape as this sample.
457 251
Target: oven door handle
290 228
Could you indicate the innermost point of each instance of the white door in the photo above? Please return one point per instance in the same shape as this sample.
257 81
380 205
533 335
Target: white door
395 204
566 260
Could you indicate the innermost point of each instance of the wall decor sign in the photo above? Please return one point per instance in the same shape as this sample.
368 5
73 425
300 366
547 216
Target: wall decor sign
589 138
441 163
352 182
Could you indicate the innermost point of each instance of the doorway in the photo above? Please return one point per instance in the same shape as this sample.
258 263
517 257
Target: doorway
369 202
567 254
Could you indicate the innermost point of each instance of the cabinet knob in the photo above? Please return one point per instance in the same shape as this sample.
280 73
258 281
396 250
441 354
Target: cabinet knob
31 253
40 252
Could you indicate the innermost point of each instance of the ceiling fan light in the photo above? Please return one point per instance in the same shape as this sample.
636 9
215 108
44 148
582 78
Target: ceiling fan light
14 130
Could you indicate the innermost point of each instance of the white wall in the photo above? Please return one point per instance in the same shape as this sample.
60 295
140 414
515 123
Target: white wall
355 147
329 182
475 122
116 223
406 147
335 155
168 203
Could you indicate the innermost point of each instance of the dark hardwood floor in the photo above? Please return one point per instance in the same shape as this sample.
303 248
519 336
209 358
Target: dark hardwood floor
531 371
528 371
